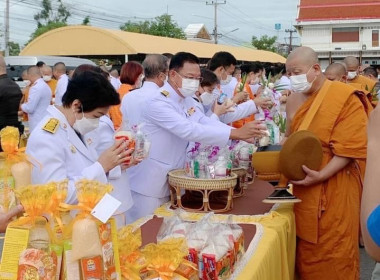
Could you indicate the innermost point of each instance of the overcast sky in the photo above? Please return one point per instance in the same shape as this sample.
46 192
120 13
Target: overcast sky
249 17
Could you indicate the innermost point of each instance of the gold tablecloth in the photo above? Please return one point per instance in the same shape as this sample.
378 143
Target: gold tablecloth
271 253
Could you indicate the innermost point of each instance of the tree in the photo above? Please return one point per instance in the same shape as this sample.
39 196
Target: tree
50 18
14 48
265 43
161 26
86 20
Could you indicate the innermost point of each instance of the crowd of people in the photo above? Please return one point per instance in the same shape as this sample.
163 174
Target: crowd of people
72 123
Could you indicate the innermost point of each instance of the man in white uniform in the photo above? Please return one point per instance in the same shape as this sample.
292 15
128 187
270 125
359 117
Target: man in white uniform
39 98
170 125
155 70
59 72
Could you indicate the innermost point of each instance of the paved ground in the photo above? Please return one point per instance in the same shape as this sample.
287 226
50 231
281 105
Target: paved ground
366 266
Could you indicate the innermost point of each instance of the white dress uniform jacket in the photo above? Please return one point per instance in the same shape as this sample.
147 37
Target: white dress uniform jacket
242 110
101 139
38 100
169 128
60 90
62 154
133 103
115 82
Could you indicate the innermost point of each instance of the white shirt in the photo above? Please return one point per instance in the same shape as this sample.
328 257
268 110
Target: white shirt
60 90
169 125
229 88
115 82
284 82
133 103
62 155
38 100
101 139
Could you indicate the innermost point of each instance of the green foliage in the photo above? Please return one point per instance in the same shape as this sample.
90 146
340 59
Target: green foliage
265 43
14 48
161 26
50 18
86 20
50 15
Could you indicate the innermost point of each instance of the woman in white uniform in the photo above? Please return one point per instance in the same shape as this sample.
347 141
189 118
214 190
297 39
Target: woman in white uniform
58 144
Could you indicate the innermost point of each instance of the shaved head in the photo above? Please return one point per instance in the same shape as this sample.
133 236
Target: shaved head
34 73
46 70
304 61
352 63
304 55
335 72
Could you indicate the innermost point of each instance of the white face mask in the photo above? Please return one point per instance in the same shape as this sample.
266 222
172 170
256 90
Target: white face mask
85 125
27 83
207 98
351 75
255 81
140 81
189 87
226 81
299 83
46 78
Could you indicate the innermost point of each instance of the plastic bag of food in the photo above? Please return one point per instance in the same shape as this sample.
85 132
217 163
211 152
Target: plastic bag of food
85 232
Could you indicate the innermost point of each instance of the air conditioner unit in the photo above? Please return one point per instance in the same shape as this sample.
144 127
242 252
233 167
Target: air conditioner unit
338 49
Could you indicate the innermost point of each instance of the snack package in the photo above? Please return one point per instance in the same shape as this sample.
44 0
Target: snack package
92 268
85 233
90 237
37 264
70 269
7 195
218 254
31 237
197 241
15 161
131 259
165 258
173 227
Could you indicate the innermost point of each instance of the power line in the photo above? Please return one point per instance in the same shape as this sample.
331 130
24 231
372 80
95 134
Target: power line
290 31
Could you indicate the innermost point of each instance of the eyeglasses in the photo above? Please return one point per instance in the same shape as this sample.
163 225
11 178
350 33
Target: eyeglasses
200 79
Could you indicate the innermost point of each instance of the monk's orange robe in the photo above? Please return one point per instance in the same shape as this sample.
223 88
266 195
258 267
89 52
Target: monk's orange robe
327 219
241 122
367 83
52 85
114 112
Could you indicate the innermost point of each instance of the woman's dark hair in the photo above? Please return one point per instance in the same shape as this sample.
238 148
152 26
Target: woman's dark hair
209 78
88 67
92 89
130 71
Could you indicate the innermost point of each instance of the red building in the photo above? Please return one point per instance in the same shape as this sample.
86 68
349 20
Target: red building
338 28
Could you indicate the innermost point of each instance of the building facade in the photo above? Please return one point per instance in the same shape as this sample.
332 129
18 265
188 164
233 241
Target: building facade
339 28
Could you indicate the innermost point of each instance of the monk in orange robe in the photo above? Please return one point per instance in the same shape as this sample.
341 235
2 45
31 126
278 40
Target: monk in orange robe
327 219
47 75
353 76
114 111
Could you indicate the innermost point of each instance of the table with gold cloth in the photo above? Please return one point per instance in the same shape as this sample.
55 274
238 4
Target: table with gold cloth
271 253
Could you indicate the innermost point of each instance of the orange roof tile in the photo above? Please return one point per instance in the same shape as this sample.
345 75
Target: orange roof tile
317 10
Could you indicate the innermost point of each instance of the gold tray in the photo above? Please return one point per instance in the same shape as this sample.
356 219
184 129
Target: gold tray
201 195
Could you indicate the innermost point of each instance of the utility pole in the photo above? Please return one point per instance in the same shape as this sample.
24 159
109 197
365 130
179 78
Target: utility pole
216 3
6 37
290 31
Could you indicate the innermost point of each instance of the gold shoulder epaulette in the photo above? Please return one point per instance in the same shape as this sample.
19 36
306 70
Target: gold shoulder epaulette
51 125
165 93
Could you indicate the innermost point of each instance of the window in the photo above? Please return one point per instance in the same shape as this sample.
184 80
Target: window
345 34
375 38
